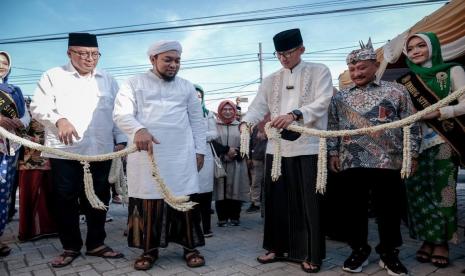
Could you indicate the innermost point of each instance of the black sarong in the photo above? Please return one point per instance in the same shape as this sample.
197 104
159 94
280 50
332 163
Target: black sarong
292 210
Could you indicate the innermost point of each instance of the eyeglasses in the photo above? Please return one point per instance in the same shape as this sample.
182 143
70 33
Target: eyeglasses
286 54
86 55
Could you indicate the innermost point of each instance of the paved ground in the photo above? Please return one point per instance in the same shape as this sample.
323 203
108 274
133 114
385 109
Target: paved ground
231 251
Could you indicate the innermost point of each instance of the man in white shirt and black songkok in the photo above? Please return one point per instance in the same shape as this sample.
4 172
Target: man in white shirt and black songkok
75 104
299 93
160 113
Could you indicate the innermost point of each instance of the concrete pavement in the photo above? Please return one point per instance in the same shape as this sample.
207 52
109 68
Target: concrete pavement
231 251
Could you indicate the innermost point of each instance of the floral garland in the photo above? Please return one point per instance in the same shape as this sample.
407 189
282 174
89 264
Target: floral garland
274 134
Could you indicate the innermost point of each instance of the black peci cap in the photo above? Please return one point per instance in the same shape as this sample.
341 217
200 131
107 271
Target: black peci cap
287 40
82 39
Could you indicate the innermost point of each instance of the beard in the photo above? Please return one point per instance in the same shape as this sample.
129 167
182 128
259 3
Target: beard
166 77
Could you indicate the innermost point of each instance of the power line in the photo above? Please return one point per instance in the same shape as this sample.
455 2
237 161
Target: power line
129 70
366 8
280 9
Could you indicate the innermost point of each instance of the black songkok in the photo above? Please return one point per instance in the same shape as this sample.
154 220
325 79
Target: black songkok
82 39
287 40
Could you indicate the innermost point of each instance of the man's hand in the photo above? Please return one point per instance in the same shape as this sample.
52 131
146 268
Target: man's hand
119 147
232 153
66 131
8 124
432 115
334 164
282 121
200 159
143 140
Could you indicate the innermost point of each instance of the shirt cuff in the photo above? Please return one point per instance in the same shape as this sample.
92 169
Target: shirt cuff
121 138
446 112
136 130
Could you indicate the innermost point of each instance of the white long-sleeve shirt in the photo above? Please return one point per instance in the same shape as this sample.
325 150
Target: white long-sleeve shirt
311 94
171 112
85 101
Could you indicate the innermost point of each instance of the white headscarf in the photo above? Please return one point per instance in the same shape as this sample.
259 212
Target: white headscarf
5 77
427 63
164 46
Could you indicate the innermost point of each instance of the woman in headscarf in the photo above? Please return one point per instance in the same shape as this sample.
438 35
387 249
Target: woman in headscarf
431 191
35 189
14 118
230 191
204 197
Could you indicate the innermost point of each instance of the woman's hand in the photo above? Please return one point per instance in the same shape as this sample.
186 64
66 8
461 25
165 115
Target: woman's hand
432 115
9 124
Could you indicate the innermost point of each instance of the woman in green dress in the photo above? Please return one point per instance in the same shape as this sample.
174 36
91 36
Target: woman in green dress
431 191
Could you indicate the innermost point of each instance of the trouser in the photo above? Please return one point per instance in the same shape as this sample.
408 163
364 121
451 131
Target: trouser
257 181
205 204
70 199
228 209
386 189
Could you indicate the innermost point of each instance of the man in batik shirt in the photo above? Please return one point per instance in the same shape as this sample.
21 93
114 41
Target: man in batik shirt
371 161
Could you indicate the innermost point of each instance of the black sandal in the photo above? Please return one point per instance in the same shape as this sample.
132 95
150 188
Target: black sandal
422 255
101 253
67 258
314 268
444 260
5 250
440 264
276 258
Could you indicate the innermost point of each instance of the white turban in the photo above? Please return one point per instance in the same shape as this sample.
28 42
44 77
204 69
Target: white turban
164 46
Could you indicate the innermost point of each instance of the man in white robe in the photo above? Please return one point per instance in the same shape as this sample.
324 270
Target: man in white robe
300 93
161 113
75 103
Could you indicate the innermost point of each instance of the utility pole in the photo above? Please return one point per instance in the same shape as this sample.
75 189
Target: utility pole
260 59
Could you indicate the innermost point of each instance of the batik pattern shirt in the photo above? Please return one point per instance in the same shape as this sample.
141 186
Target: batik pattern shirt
377 103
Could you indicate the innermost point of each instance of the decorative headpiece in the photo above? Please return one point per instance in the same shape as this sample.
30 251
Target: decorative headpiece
366 52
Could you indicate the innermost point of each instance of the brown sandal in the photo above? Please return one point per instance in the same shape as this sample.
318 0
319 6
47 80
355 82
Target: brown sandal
145 261
192 258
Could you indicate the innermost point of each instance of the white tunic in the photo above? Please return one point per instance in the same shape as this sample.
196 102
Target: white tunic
171 112
311 94
206 173
85 101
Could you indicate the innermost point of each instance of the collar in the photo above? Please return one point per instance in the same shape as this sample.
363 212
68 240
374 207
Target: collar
296 68
70 69
370 84
154 76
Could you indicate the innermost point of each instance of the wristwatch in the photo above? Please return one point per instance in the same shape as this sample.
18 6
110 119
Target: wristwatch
297 114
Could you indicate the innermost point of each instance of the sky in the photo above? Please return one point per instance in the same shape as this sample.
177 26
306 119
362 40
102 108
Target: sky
222 58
